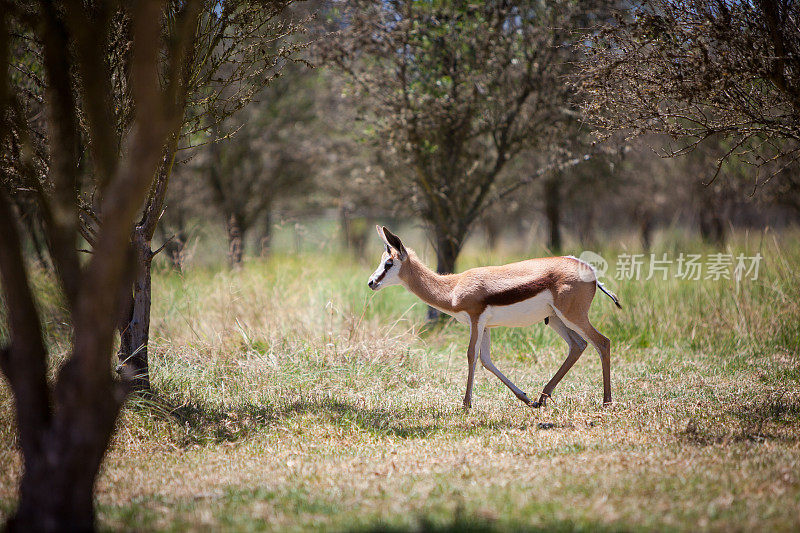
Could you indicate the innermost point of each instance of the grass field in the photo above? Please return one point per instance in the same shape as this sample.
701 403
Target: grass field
290 397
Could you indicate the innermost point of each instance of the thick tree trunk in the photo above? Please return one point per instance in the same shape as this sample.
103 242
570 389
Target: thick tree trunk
446 260
51 501
64 429
134 330
712 227
59 475
235 241
711 217
63 436
552 209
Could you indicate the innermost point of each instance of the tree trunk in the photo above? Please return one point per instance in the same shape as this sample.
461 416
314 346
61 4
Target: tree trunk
63 435
53 501
494 228
134 325
134 330
344 225
552 209
175 250
354 229
712 228
646 226
38 246
235 241
30 217
710 214
175 242
59 475
586 226
266 235
712 224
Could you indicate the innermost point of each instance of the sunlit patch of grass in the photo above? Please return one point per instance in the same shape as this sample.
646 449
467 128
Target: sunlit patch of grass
290 397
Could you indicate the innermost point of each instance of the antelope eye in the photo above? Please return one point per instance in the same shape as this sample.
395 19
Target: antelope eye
389 263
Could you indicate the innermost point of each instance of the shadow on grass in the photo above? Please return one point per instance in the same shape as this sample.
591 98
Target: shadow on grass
205 423
478 525
780 408
760 420
303 509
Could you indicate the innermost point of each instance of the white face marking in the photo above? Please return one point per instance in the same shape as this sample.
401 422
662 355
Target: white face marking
387 273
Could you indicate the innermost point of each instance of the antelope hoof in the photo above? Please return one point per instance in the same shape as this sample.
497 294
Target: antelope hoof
524 398
535 405
542 400
467 405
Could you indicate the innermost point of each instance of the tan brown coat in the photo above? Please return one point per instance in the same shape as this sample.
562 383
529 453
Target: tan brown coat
556 290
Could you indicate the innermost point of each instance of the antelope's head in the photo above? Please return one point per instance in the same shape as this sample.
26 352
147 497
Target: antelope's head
388 271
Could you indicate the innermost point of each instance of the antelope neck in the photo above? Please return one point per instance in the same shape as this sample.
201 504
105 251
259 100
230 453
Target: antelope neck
432 288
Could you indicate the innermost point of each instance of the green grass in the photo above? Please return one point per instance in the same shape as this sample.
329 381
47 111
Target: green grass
290 397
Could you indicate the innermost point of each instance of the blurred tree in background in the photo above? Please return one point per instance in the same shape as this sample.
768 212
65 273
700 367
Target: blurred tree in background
454 92
268 154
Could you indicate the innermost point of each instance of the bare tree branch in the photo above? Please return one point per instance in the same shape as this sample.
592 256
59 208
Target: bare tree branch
700 69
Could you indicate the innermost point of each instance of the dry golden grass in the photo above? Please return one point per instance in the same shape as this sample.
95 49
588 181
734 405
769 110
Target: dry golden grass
288 398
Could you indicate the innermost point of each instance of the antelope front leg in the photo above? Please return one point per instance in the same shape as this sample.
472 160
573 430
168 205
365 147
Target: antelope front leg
475 333
486 359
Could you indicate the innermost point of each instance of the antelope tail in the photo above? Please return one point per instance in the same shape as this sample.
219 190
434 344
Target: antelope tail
609 294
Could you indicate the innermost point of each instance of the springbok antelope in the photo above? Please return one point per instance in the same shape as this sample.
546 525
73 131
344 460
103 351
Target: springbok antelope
557 290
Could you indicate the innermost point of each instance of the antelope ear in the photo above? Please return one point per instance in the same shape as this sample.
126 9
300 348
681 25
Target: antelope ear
395 242
381 234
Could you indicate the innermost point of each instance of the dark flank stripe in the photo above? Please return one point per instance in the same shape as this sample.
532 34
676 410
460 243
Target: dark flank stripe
522 292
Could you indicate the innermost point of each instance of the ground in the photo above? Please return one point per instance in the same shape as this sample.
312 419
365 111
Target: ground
290 397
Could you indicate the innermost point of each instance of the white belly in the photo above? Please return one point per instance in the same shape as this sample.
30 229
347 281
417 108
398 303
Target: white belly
524 313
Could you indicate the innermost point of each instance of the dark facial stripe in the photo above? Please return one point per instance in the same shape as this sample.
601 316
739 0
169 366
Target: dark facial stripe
383 274
521 292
